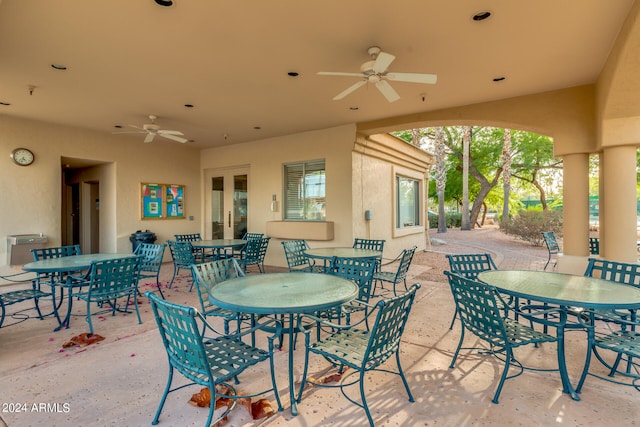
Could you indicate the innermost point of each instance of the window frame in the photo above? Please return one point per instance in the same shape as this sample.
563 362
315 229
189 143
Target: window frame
314 165
420 198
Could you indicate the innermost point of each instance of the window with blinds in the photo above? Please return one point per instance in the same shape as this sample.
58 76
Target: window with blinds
304 191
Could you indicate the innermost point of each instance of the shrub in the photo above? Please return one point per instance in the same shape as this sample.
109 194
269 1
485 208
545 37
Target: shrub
528 225
453 220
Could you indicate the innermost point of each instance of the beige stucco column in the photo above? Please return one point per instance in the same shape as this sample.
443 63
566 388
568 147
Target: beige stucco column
619 207
575 198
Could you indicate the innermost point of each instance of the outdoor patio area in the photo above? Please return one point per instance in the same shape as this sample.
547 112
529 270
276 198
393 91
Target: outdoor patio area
119 381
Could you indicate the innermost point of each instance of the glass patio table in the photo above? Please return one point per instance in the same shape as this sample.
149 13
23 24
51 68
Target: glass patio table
287 294
567 292
65 267
218 245
327 254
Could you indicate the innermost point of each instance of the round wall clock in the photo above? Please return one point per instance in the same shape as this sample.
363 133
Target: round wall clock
22 156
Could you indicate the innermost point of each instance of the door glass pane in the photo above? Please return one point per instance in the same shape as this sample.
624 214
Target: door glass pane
217 207
239 206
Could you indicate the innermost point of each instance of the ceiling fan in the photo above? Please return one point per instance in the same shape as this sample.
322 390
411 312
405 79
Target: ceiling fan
375 71
152 129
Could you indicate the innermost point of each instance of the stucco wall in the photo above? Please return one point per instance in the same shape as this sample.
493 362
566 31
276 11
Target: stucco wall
266 158
31 196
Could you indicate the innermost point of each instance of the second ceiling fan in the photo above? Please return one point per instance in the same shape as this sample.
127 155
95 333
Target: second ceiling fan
376 71
152 129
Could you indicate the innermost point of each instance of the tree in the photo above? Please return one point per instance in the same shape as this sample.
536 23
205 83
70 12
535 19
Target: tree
506 173
466 142
441 177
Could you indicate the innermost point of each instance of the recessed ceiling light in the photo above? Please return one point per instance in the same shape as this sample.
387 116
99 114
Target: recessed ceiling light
117 126
59 67
499 79
6 104
165 3
188 105
354 108
293 74
257 127
481 16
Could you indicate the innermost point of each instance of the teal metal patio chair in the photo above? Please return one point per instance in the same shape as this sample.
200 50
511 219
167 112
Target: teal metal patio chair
209 274
297 260
254 254
398 276
203 360
110 281
183 258
151 256
363 349
373 244
480 314
553 249
469 266
202 254
594 245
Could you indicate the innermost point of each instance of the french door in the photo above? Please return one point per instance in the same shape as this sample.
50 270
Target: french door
226 201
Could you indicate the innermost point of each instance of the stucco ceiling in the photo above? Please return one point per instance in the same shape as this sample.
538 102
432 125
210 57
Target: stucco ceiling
128 59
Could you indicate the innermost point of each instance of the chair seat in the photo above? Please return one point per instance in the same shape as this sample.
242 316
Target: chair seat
519 334
348 346
387 276
626 342
229 356
14 297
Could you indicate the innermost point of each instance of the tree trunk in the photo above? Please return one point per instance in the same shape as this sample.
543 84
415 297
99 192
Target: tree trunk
466 141
441 178
506 173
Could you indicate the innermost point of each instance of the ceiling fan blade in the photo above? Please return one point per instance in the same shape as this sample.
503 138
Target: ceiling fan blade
149 137
173 137
129 131
389 92
331 73
170 132
382 62
348 90
412 77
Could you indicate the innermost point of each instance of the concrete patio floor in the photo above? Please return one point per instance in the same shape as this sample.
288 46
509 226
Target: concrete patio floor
119 381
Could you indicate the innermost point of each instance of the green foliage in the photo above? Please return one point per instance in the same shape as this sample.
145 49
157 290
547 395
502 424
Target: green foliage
528 225
454 220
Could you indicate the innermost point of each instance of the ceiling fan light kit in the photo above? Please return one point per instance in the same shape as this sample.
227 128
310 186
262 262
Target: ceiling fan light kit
375 71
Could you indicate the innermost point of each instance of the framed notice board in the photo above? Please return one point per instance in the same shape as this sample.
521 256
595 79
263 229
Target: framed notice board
162 201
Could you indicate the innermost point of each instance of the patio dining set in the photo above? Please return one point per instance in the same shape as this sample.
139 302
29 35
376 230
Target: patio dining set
349 307
507 309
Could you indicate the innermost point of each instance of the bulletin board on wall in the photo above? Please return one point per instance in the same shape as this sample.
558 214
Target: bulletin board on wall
162 201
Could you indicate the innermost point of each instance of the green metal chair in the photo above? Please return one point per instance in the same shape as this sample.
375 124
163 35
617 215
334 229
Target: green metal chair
373 244
480 314
297 260
364 349
209 274
254 254
14 297
151 256
197 252
594 245
553 248
183 257
620 272
109 281
206 361
398 276
469 266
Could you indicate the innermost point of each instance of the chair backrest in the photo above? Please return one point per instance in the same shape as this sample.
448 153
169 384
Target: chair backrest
252 236
256 250
57 252
470 265
151 256
181 253
188 237
620 272
551 242
114 277
376 245
209 274
594 245
182 339
386 331
478 309
405 263
294 251
358 270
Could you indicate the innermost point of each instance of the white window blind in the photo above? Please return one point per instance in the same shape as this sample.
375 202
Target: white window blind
304 190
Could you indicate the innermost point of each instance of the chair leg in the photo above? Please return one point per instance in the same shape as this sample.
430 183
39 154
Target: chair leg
404 379
164 396
88 317
160 288
455 314
175 272
503 377
365 406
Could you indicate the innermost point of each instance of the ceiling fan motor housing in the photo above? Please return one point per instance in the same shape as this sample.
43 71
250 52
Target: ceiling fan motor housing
151 127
